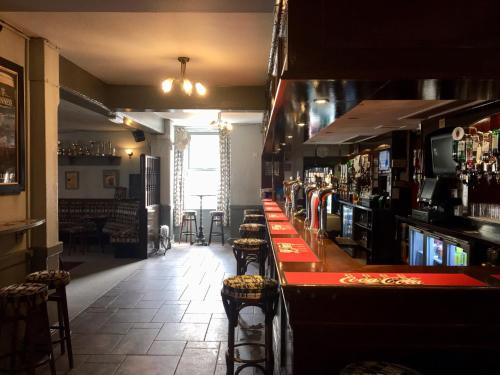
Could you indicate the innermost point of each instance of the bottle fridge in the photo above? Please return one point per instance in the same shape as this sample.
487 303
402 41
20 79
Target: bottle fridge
434 249
347 221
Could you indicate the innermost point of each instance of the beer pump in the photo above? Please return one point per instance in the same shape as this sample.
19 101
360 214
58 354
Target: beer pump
287 189
295 189
323 195
308 192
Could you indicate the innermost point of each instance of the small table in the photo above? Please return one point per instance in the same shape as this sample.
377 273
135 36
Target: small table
200 237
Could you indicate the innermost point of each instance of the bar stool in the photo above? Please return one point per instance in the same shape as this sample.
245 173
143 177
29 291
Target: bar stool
248 250
251 211
24 319
243 291
216 217
188 218
57 280
253 231
377 368
254 218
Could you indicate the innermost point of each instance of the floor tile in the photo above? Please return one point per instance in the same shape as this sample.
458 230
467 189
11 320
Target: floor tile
148 365
203 344
133 315
135 343
106 358
167 348
217 330
96 369
94 343
196 318
116 328
183 332
170 313
197 361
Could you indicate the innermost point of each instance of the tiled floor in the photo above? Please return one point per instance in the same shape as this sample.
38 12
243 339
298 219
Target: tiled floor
164 317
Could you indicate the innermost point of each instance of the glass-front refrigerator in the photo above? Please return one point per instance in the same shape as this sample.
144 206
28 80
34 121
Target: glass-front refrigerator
347 221
457 253
416 242
434 250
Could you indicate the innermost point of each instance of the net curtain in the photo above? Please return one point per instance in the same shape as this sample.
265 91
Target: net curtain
224 195
181 141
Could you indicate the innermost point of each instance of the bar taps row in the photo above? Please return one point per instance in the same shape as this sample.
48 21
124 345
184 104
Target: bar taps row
316 193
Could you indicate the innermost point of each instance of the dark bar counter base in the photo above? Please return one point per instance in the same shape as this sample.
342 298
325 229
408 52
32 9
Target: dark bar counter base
435 329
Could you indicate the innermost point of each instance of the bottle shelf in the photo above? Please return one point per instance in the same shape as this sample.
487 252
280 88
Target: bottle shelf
89 160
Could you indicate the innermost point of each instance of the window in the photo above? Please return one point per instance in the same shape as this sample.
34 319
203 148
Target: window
202 175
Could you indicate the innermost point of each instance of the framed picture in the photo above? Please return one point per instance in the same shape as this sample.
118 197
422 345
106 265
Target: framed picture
72 180
12 146
111 178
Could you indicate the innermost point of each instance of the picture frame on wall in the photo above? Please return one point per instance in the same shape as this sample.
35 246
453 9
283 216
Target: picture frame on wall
12 128
72 180
110 178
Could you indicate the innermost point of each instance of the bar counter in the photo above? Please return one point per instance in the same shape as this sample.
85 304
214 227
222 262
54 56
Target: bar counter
335 310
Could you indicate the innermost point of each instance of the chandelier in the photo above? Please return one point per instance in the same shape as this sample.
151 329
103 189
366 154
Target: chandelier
183 84
222 126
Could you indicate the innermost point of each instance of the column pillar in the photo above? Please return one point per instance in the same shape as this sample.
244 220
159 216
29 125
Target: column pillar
44 104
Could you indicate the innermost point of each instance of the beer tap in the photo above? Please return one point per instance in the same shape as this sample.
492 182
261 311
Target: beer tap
287 189
308 191
295 188
323 195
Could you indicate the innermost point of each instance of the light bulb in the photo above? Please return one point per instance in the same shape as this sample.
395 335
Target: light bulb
200 89
301 124
229 127
166 85
187 86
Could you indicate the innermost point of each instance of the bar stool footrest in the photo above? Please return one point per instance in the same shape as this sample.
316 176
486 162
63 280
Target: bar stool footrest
238 359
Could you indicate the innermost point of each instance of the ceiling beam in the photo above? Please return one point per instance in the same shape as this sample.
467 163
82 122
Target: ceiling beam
208 6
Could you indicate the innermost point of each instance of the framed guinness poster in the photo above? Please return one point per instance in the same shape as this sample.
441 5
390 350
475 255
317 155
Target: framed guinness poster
12 145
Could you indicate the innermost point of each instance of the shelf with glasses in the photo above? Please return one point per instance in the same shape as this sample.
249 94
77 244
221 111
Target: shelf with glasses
89 160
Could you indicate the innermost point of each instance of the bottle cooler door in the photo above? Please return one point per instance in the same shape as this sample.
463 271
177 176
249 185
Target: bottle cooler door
416 239
347 221
435 250
458 254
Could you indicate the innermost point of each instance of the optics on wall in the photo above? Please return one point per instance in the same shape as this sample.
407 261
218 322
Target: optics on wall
183 84
219 124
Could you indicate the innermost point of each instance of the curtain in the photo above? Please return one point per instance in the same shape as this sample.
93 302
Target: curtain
224 195
181 141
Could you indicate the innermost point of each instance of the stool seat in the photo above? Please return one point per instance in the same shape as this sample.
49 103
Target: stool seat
377 368
217 213
252 230
253 218
189 213
252 211
249 244
23 295
53 278
248 286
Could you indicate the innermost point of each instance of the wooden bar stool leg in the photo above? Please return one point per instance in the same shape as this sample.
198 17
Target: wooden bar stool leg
67 330
211 228
180 233
60 318
269 313
222 229
52 362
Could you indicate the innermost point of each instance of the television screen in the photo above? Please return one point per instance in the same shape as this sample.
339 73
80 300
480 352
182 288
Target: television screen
384 161
428 188
442 157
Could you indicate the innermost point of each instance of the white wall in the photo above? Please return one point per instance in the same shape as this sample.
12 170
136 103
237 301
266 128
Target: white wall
91 185
246 151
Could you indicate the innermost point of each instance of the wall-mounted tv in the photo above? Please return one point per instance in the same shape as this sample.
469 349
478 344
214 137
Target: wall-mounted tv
384 161
442 156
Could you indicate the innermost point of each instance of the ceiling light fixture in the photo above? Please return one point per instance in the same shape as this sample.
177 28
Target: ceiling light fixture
222 126
289 136
301 124
321 101
117 119
183 84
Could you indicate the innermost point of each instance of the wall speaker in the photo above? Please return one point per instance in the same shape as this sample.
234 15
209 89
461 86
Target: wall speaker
138 135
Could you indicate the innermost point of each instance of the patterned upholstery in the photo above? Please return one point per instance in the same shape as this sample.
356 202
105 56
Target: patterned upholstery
249 286
253 218
52 278
252 230
376 368
251 211
124 236
248 244
73 210
123 225
217 213
22 296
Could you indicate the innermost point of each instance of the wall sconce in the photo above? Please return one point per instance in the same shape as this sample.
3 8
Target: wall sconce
130 153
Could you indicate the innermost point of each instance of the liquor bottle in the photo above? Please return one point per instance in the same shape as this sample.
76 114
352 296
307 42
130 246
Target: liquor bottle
461 151
486 146
494 141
